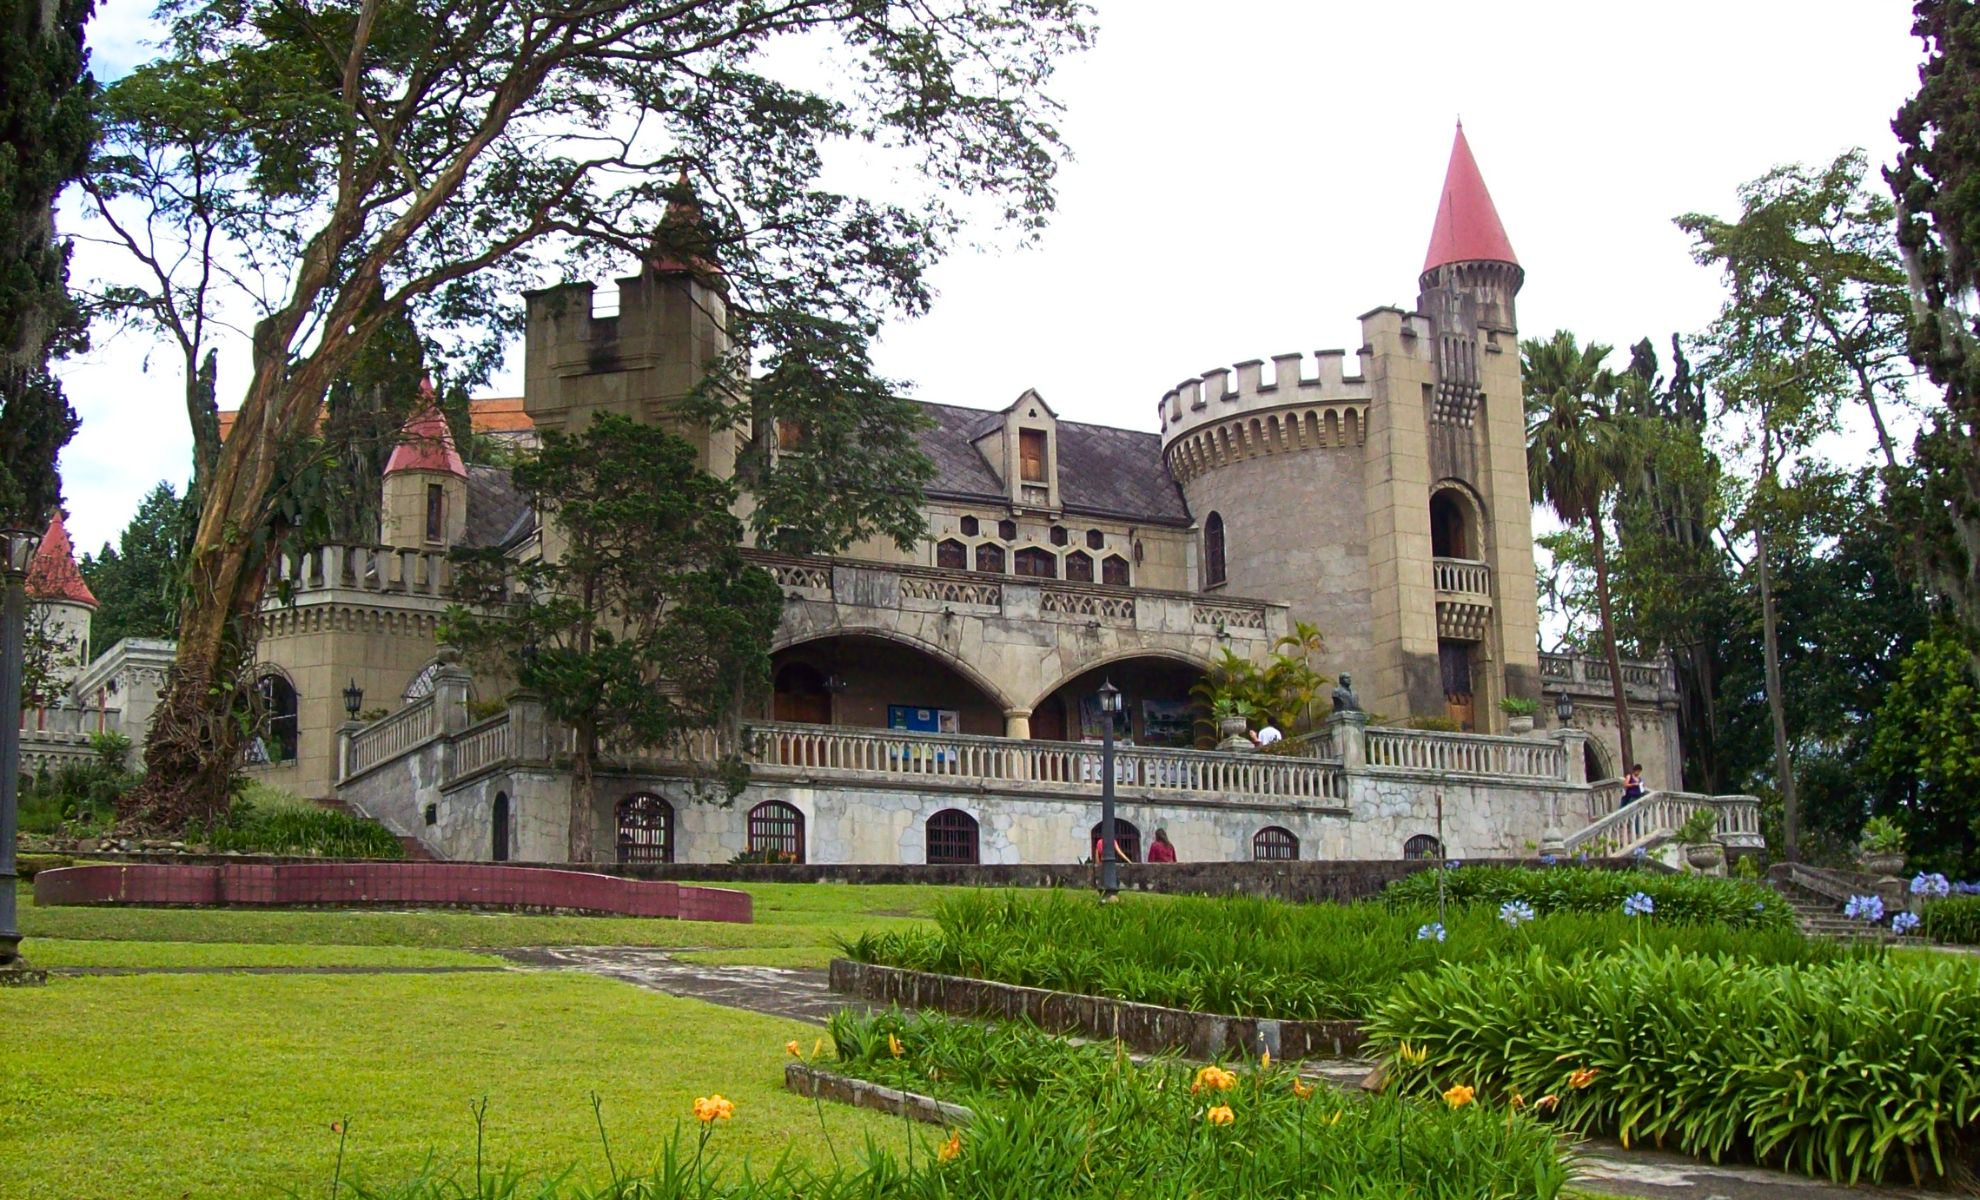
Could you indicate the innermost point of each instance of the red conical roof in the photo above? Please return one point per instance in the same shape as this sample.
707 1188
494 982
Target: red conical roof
426 444
53 574
1467 228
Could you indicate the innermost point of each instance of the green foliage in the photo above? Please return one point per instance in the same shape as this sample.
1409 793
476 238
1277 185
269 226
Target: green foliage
137 582
649 624
304 829
27 866
1434 724
1247 957
1086 1121
1679 899
79 795
1882 835
45 97
1699 827
1954 919
1280 691
1855 1069
1518 706
1928 731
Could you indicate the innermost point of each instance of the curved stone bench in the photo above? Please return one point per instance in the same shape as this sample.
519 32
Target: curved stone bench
391 884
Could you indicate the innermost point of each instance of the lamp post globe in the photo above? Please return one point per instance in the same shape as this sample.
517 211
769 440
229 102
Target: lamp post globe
1563 708
1110 704
353 699
17 547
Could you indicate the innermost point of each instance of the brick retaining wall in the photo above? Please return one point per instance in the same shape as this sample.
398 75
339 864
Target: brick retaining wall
1148 1028
356 884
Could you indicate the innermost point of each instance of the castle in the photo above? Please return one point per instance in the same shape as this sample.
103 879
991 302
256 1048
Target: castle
936 704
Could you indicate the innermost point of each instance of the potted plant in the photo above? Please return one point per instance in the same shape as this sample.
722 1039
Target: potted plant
1519 713
1233 717
1881 847
1701 848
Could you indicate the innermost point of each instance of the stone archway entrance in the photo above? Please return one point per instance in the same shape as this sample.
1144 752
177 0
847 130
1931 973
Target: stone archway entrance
1156 709
863 682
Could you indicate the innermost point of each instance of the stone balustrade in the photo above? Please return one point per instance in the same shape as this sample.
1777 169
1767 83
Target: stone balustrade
1588 675
384 740
1462 577
1466 754
1657 816
386 569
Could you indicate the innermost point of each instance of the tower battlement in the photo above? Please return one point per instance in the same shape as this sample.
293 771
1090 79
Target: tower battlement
1247 387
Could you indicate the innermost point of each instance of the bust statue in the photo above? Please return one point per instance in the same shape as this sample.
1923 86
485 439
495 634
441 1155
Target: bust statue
1344 698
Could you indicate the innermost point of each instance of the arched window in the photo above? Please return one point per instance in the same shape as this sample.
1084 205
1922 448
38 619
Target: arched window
1449 536
776 833
646 829
1422 846
1114 570
278 701
1126 836
951 554
952 837
990 559
1213 549
1079 567
498 821
1273 844
422 684
1038 563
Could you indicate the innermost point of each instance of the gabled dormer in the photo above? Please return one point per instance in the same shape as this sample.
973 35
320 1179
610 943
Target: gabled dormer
1021 445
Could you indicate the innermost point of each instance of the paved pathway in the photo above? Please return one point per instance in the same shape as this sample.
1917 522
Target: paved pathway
1604 1167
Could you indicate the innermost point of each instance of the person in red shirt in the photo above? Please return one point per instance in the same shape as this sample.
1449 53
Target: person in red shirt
1162 849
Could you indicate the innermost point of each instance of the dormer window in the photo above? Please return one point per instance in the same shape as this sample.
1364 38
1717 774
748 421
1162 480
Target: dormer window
1031 455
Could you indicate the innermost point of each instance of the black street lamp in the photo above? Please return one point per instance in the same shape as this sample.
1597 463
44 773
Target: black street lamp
1110 882
17 548
353 699
1563 708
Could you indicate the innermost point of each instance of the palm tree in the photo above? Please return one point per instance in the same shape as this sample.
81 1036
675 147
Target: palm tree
1577 452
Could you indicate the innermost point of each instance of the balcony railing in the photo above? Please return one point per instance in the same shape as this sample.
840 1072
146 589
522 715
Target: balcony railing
1587 673
382 740
1657 816
1462 577
1466 754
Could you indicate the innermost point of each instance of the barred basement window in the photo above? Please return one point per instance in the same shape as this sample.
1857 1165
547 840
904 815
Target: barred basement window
1126 836
776 833
952 836
1273 844
646 829
1422 846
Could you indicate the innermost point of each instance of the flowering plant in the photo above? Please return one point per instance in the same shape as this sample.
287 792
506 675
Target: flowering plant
1220 1115
1864 908
1930 885
1434 931
1515 912
1636 904
1459 1096
1213 1079
1904 923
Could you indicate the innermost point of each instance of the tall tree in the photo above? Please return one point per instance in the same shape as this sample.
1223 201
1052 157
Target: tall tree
431 160
45 134
648 623
1577 450
137 582
1936 180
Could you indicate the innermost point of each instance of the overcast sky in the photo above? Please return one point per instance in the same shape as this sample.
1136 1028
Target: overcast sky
1252 175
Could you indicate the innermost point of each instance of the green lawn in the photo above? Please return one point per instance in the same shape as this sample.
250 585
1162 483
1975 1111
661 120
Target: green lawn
65 952
226 1086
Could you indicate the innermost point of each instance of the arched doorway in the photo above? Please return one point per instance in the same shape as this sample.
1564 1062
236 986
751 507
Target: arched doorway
952 837
1156 709
276 705
1126 835
498 821
776 833
1451 525
646 829
863 681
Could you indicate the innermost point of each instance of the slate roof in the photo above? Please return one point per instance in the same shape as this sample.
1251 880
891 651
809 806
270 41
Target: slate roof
496 512
52 573
1103 471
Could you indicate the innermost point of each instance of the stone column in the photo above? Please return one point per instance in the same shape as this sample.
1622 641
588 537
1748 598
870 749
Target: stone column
529 728
1350 735
1574 774
450 691
345 732
1017 723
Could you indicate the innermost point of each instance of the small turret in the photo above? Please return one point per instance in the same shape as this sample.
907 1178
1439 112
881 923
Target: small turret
1470 258
425 493
56 587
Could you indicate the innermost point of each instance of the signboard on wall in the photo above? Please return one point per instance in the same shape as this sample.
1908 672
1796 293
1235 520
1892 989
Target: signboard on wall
923 720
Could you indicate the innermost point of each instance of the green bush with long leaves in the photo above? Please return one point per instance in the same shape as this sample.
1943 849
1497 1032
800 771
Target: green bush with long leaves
1679 899
1953 919
251 828
1854 1069
1249 957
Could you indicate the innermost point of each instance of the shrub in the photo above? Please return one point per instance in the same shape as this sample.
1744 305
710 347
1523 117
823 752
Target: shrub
1853 1069
1678 899
27 866
250 828
1882 835
1952 919
1518 706
1247 957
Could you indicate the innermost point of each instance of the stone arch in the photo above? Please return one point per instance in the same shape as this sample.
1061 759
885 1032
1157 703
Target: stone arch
1457 521
277 702
1107 660
940 653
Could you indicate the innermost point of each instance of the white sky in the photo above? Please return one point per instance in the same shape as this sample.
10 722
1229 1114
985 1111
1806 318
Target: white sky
1248 182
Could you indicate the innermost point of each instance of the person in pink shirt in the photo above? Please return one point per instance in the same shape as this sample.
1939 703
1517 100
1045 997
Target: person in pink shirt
1162 849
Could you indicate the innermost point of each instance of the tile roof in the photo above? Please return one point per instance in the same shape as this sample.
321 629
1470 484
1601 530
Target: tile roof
1467 227
1103 471
53 575
496 512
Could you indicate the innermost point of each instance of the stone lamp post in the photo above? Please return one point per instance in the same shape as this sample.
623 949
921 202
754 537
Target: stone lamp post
1110 880
17 547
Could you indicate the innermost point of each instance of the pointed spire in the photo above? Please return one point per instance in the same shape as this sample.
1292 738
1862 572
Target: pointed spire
426 444
53 575
682 245
1467 227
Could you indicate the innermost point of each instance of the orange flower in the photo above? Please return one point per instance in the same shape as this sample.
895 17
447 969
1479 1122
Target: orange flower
951 1149
1265 1061
1301 1090
1547 1103
1518 1102
893 1045
713 1108
793 1049
1459 1096
1582 1078
1220 1115
1214 1079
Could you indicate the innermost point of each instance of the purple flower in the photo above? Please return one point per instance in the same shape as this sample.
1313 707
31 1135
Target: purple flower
1433 932
1636 904
1515 912
1930 885
1904 923
1864 908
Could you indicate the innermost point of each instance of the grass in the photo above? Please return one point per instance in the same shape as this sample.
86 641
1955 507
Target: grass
795 925
59 952
226 1086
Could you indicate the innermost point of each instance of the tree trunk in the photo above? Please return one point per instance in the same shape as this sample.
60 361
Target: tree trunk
1770 641
584 792
1624 742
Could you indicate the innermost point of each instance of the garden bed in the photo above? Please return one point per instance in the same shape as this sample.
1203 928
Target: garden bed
1147 1028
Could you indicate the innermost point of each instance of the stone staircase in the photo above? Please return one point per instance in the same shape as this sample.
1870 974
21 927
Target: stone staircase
1817 898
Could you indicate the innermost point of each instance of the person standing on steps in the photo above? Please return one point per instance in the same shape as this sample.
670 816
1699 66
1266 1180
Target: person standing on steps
1633 783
